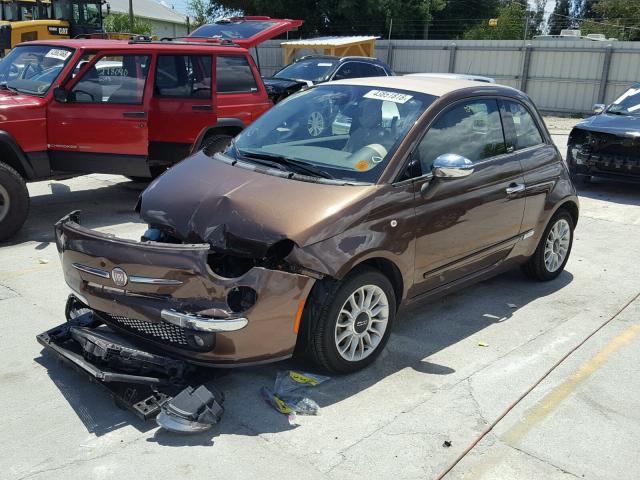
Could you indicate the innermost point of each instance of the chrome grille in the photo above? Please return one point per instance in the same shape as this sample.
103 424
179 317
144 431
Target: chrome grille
163 332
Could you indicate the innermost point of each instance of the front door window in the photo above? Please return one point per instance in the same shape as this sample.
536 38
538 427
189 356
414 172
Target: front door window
118 79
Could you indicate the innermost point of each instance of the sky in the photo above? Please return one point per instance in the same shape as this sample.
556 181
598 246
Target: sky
179 5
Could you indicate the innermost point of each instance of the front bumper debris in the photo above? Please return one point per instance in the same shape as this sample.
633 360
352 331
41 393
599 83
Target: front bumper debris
146 383
166 296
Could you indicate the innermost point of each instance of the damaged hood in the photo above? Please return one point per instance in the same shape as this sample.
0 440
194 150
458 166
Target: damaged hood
203 199
622 125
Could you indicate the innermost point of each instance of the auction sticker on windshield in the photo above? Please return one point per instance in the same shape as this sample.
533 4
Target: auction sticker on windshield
58 53
389 96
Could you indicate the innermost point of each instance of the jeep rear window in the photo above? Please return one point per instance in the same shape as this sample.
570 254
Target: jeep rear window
232 30
183 76
234 75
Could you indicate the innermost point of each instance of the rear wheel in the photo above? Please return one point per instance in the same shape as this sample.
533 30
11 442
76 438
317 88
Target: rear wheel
554 248
350 320
14 201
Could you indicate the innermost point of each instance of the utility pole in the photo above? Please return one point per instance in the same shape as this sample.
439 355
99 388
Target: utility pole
130 16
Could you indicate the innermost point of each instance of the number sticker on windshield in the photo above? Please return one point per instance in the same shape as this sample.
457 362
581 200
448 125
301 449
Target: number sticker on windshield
389 96
58 53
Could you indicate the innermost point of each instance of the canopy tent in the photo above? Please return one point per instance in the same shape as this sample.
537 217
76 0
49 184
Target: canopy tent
338 46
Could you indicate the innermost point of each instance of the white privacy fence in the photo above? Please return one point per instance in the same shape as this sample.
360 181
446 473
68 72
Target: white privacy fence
559 75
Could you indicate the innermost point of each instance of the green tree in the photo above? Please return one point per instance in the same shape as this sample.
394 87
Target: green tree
346 17
458 16
560 17
510 25
614 18
119 22
203 11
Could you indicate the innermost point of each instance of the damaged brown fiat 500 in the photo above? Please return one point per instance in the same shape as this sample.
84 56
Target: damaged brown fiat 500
283 239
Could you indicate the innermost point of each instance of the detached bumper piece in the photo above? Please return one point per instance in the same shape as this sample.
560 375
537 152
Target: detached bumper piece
192 410
140 381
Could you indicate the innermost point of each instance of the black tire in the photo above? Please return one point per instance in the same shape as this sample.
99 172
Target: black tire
322 311
215 144
15 207
578 179
536 268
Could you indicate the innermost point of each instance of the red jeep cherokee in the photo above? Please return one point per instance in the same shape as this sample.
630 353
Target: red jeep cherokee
70 107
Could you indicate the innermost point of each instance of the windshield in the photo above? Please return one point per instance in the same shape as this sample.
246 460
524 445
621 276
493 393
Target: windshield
313 70
347 132
628 103
33 68
232 30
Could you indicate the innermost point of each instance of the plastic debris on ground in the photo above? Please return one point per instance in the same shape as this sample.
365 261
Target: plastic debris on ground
512 305
193 410
289 394
483 344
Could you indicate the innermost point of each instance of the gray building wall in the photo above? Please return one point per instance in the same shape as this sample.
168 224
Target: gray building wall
559 75
167 29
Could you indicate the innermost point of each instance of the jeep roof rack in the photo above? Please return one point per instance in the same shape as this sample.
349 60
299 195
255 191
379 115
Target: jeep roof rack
202 41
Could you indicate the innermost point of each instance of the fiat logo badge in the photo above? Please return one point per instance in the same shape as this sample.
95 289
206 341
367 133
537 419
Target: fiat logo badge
119 277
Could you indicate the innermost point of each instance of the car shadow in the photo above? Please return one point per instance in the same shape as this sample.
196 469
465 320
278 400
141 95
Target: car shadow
101 207
420 332
611 190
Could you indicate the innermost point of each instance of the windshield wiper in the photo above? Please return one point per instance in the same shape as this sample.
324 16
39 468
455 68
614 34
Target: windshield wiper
293 163
618 112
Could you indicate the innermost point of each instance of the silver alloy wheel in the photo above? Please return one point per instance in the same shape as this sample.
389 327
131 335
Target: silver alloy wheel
4 202
557 245
361 324
315 123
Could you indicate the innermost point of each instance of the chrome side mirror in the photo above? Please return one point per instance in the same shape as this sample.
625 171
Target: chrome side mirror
599 108
451 165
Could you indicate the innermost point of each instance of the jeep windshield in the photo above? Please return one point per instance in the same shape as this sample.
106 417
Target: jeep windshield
313 70
33 68
348 132
628 103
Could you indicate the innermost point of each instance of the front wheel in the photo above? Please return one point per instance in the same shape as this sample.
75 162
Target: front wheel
14 201
554 248
350 320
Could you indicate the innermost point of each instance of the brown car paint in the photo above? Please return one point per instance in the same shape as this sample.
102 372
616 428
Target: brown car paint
429 235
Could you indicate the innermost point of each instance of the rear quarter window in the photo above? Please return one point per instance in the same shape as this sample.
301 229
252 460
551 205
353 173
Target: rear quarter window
234 75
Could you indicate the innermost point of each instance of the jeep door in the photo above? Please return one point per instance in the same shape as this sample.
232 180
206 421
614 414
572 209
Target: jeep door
182 105
102 127
240 93
465 224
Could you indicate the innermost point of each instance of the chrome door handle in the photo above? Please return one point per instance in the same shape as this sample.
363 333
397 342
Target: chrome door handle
515 188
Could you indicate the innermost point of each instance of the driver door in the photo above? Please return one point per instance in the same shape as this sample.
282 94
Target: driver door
103 126
468 224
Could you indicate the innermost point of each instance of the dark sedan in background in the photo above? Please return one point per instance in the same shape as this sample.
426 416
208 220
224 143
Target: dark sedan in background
312 69
608 143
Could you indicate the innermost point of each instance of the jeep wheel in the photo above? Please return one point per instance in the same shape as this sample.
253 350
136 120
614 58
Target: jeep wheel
553 250
350 320
14 201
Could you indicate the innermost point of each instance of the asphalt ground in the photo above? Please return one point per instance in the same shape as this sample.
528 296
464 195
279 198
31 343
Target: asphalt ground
451 368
